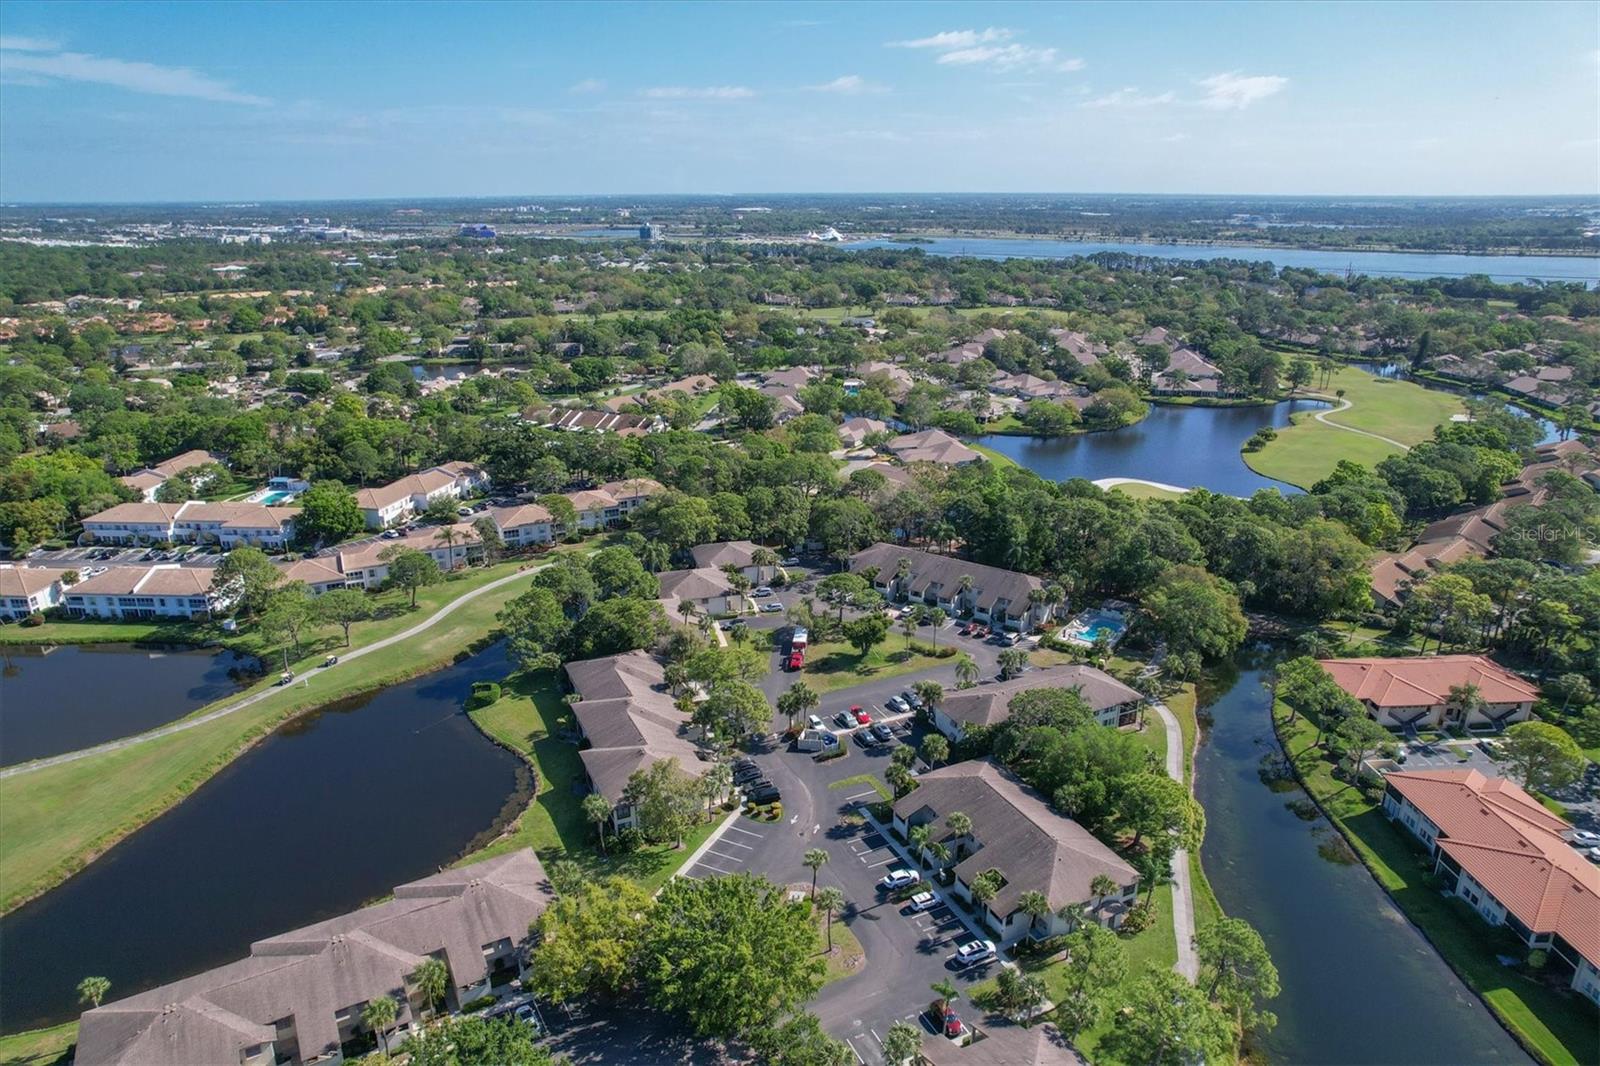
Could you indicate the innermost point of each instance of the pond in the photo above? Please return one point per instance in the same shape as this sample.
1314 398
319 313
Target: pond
1191 447
329 812
1359 983
62 698
1501 268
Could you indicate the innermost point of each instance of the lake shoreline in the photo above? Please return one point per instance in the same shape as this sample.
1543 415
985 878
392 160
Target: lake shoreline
913 237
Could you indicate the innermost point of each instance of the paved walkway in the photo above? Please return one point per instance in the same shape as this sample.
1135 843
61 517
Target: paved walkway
1345 405
254 698
1113 482
1182 887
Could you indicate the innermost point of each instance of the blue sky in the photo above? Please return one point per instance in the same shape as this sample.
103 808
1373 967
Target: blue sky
129 101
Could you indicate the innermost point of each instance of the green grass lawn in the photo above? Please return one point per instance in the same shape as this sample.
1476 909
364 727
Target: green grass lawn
1147 492
831 666
846 958
869 780
530 719
38 1047
54 820
1559 1026
1307 451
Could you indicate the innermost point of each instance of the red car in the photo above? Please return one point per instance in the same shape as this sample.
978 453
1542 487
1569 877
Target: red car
796 660
861 716
952 1024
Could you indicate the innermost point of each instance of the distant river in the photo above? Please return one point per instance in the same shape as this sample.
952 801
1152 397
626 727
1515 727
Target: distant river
1502 268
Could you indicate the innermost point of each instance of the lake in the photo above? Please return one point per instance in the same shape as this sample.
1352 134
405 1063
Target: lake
56 699
1501 268
331 811
1359 984
1192 447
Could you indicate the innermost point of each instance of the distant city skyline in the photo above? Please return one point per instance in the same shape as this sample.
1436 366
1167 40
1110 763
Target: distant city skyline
149 102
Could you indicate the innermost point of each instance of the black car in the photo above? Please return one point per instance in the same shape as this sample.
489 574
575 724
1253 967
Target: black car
883 733
767 794
746 773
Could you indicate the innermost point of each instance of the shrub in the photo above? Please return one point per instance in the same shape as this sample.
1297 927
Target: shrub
838 751
34 619
1537 959
943 651
1139 918
477 1004
629 840
483 694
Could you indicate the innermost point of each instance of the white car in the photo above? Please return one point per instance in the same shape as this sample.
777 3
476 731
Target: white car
764 590
814 722
899 879
771 608
791 561
924 901
1585 838
529 1017
975 952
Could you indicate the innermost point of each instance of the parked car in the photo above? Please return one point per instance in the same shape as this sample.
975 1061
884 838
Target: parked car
526 1015
391 534
860 715
912 700
799 638
791 561
771 608
952 1024
767 794
974 952
924 901
844 721
796 660
1592 854
814 722
899 879
897 705
1584 838
882 733
763 591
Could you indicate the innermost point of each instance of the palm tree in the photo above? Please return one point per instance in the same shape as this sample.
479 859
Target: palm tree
902 572
815 859
92 990
432 978
1035 905
918 837
966 671
960 824
946 990
597 809
984 890
1102 886
934 617
676 675
931 693
830 899
655 556
379 1014
965 584
688 609
938 853
447 536
901 1044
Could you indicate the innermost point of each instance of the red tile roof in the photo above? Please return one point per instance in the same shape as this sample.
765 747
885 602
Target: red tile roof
1513 847
1424 680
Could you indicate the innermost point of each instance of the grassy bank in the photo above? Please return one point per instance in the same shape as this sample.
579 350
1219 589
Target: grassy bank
111 632
1308 450
532 719
38 1047
991 455
1139 490
1556 1026
55 820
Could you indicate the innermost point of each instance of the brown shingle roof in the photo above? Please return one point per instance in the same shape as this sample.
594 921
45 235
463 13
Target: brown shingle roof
990 704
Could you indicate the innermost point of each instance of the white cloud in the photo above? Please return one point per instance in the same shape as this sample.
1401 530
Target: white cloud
34 62
587 85
1131 97
710 92
951 39
1010 57
849 85
9 43
1235 92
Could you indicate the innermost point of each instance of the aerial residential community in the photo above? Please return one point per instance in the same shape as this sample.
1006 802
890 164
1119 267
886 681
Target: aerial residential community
472 593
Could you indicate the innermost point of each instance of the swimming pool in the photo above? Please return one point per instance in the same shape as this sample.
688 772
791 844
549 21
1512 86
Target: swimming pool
271 497
1088 627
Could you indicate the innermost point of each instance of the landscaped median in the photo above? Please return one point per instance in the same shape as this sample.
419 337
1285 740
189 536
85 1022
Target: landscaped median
1555 1026
56 819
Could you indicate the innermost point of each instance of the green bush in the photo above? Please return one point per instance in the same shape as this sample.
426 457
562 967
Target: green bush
483 694
477 1004
943 651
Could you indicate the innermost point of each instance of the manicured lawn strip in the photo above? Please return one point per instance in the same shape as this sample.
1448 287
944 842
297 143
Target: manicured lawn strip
1141 491
831 666
990 454
869 780
54 820
530 719
847 951
1556 1027
38 1047
1307 451
110 632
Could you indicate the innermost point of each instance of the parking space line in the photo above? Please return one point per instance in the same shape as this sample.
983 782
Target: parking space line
735 844
744 832
860 795
719 869
885 862
721 855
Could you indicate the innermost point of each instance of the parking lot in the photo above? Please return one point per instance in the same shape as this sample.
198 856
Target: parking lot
107 555
733 851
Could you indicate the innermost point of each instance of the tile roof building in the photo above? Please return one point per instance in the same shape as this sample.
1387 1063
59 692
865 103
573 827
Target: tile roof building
1017 833
1405 693
627 722
141 592
996 596
739 554
1509 858
1114 703
387 505
148 479
932 446
194 522
298 997
26 590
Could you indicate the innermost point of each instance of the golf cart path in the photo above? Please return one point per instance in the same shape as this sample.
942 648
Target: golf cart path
1182 886
1345 405
266 693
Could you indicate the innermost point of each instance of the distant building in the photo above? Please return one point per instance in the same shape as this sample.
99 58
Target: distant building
478 230
651 232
